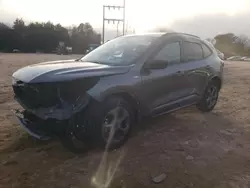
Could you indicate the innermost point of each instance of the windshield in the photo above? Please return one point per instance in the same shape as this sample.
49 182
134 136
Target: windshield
120 51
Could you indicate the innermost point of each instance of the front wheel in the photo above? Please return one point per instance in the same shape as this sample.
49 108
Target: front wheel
210 97
71 137
115 122
108 123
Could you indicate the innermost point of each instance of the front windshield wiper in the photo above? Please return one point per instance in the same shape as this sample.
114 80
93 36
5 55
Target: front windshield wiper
97 62
79 59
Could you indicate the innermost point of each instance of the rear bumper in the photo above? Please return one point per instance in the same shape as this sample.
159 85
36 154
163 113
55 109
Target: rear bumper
32 128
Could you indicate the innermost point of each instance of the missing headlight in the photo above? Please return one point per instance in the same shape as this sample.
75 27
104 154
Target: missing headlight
71 91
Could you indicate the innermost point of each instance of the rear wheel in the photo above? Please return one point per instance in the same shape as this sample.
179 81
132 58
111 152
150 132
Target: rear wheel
210 97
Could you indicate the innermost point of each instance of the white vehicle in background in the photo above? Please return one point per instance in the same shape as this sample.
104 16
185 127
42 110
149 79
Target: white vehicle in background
243 58
220 54
16 51
247 59
234 58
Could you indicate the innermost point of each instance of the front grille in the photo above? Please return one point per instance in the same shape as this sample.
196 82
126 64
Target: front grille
36 95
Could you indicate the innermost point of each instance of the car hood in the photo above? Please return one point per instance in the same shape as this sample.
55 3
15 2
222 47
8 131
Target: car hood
55 71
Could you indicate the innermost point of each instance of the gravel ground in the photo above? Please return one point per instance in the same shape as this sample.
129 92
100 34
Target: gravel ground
191 148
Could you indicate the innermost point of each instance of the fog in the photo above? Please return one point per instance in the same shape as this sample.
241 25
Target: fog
212 25
206 25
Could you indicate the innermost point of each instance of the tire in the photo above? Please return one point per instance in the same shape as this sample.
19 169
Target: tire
70 141
99 121
88 127
210 97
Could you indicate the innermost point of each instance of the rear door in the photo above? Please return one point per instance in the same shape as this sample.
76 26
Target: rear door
196 63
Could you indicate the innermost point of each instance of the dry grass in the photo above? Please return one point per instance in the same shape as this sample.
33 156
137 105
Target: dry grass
218 143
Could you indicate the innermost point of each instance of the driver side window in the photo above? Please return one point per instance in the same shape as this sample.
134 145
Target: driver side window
171 53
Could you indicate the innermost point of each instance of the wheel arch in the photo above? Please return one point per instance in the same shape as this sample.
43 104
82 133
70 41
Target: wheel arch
131 99
217 79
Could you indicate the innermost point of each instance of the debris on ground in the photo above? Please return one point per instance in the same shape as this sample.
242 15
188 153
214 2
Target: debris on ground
159 178
189 157
10 162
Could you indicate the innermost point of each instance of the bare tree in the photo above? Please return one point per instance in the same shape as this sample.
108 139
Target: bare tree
243 40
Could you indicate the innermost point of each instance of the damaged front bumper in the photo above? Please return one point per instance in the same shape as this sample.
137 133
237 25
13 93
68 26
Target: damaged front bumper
64 112
44 123
31 127
48 107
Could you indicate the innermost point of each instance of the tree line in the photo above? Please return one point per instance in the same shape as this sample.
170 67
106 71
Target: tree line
231 44
45 37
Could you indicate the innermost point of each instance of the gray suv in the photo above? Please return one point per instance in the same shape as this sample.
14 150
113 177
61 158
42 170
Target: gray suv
99 97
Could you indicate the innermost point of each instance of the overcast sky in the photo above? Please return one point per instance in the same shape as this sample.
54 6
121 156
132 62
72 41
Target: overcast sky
204 18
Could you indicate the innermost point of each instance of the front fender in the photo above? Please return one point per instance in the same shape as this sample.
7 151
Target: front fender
123 92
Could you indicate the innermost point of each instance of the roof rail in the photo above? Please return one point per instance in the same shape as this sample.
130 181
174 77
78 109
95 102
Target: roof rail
189 35
183 34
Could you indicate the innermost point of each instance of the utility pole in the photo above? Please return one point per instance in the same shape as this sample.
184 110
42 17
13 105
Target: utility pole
104 19
117 27
123 17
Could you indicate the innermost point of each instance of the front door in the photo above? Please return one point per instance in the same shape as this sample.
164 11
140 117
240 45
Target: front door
163 87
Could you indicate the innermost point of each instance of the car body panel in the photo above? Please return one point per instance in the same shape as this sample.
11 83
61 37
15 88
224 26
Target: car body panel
160 87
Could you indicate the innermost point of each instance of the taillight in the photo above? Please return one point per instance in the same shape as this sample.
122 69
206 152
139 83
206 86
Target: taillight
222 63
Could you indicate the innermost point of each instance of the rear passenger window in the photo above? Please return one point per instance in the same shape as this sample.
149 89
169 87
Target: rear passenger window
192 51
206 51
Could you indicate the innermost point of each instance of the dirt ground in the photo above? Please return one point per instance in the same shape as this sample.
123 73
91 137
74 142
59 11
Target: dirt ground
193 149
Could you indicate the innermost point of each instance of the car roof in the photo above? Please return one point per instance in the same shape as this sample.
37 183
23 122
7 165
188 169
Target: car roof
146 34
159 34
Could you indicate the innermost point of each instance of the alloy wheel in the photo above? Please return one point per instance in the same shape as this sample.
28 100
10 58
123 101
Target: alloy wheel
212 96
116 125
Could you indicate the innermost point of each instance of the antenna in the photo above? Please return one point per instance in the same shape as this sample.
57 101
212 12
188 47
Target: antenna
104 19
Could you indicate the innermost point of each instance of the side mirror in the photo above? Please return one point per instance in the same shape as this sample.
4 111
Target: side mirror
157 64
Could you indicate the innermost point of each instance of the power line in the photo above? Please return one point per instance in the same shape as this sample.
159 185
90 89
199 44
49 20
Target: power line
114 20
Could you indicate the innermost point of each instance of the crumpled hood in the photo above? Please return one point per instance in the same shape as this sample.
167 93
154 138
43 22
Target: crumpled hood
55 71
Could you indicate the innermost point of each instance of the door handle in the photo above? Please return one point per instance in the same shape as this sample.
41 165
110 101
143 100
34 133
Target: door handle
179 73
